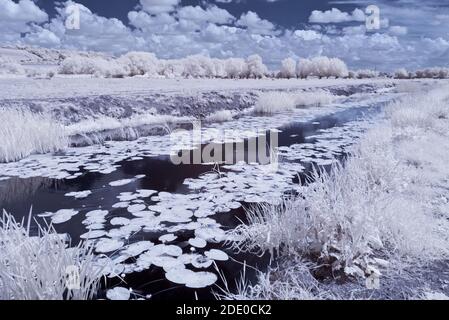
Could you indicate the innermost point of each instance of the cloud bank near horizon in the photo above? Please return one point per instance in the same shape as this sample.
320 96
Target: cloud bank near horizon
412 34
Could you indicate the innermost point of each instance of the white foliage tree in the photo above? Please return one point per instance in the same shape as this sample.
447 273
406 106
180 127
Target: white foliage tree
322 67
200 66
366 74
432 73
92 65
140 63
219 68
235 68
338 68
288 68
304 68
443 73
171 68
401 74
256 68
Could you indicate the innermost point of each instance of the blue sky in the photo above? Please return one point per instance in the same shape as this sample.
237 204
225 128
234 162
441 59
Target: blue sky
287 13
412 33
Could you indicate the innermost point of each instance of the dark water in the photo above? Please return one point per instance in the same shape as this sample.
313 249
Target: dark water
17 196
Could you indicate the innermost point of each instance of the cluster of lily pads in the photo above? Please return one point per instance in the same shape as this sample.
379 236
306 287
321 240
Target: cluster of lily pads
327 145
104 158
166 213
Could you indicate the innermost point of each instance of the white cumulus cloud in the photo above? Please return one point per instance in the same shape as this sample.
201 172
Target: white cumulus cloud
308 35
254 23
159 6
16 18
336 16
398 30
211 14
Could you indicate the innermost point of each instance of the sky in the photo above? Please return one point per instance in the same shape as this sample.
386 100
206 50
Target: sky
411 33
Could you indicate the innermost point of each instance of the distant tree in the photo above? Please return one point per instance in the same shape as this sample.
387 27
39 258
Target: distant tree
322 67
288 68
401 74
255 67
235 68
140 63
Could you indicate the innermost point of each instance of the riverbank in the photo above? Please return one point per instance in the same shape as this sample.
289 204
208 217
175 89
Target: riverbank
375 228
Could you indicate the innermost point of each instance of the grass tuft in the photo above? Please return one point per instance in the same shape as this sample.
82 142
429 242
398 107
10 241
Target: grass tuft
24 132
36 267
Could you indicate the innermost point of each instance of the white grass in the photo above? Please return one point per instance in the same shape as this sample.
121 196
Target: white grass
348 214
294 282
34 268
433 295
102 123
220 116
276 102
315 98
23 133
387 202
432 109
